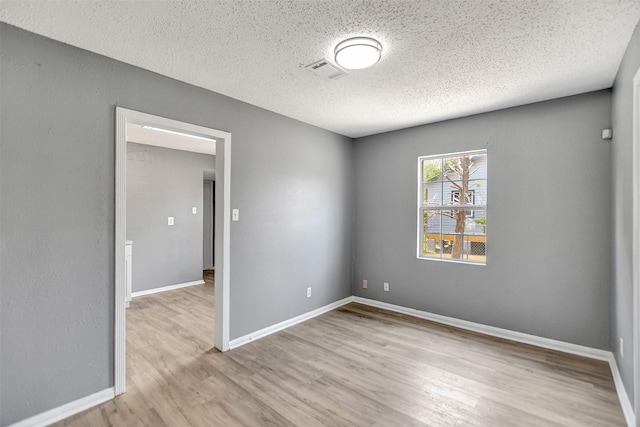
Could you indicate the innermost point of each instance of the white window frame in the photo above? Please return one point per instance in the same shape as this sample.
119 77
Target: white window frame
443 207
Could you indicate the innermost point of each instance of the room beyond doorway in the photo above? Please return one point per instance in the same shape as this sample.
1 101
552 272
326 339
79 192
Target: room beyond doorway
166 214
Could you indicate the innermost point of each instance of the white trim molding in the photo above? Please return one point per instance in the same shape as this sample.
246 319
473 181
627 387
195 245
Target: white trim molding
287 323
82 404
579 350
67 410
636 239
222 242
166 288
625 403
120 314
592 353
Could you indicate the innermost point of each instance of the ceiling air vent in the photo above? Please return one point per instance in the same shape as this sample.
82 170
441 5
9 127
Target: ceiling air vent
326 70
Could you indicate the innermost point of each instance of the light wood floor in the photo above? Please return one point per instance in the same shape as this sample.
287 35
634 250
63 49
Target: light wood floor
355 366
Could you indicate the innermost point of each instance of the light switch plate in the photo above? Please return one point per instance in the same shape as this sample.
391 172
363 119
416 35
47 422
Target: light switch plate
170 220
194 210
235 215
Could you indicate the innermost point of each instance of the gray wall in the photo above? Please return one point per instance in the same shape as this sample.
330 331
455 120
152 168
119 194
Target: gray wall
292 183
622 193
161 183
548 264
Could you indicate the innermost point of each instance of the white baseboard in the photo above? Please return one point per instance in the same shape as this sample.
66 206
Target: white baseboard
287 323
61 412
166 288
580 350
627 408
72 408
592 353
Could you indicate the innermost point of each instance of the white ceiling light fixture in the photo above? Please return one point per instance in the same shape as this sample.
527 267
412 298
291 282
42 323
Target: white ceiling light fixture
358 53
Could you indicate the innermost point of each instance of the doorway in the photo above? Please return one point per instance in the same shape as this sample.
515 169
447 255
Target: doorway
208 234
222 227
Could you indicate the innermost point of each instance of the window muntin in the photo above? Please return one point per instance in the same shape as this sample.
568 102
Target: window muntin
450 228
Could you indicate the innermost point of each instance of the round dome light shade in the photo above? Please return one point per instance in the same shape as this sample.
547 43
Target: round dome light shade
358 53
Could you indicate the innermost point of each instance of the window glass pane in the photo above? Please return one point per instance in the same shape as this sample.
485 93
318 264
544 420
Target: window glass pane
460 226
454 221
464 247
479 169
476 234
479 187
432 193
475 164
477 222
472 166
455 167
432 170
431 244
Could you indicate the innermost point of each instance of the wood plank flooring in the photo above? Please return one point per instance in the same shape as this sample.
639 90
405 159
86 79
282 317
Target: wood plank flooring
354 366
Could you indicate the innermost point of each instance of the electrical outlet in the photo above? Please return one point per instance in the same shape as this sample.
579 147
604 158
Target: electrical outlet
308 292
621 347
365 284
386 286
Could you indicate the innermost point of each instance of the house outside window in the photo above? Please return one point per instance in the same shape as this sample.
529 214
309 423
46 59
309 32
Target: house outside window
451 227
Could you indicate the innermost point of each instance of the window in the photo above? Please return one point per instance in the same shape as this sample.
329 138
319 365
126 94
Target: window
451 227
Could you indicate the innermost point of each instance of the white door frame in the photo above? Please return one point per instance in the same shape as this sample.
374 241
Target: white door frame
222 227
636 245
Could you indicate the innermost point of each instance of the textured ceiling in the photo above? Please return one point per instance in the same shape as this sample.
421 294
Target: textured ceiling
441 59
